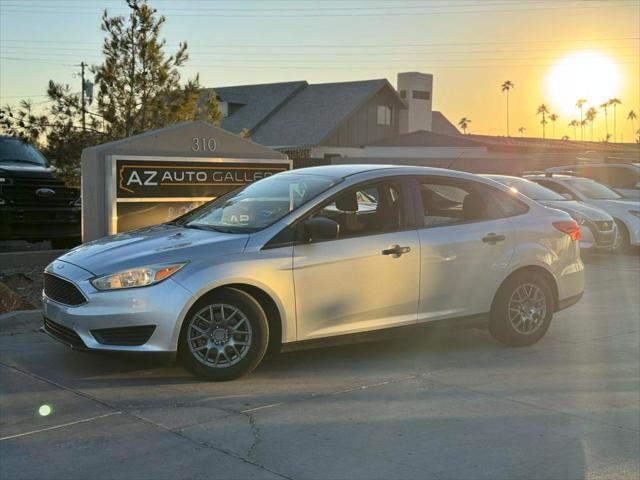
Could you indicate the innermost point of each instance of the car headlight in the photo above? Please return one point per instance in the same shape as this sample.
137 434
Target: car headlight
137 277
635 213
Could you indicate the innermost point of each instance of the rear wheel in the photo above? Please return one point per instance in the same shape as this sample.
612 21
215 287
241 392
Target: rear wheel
522 310
224 335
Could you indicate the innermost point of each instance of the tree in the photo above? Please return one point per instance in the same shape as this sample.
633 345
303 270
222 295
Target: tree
606 123
554 118
565 138
543 110
615 102
506 86
521 130
574 123
590 117
579 103
632 117
464 124
139 86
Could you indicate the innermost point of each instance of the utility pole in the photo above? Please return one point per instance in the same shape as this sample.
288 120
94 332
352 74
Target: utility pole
84 122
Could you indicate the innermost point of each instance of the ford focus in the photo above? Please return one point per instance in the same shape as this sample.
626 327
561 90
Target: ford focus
317 255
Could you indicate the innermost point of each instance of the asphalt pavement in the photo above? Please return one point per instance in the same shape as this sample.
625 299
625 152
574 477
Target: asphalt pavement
433 404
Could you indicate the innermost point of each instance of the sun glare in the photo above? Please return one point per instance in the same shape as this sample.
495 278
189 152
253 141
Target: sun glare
582 75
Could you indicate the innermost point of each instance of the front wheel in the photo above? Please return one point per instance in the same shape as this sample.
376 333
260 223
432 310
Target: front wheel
224 336
522 310
622 241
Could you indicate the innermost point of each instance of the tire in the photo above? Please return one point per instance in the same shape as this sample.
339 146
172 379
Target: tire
622 242
215 350
528 326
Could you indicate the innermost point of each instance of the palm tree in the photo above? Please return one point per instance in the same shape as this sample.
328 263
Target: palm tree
506 86
553 117
591 116
521 130
464 124
632 117
615 102
574 123
543 110
606 123
583 125
579 104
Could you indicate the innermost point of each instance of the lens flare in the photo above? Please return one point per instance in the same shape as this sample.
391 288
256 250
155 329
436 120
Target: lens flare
45 410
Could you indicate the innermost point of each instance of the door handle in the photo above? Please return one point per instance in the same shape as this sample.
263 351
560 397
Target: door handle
396 250
492 238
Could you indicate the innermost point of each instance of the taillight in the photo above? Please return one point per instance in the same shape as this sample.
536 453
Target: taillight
570 227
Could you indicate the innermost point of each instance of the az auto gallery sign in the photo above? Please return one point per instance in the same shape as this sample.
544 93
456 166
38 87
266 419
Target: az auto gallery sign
151 190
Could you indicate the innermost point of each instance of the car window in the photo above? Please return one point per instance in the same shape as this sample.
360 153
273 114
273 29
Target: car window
502 204
592 189
366 211
556 187
15 150
528 188
447 202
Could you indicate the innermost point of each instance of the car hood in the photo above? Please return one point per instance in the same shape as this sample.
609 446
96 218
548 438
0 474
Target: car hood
147 246
577 208
25 170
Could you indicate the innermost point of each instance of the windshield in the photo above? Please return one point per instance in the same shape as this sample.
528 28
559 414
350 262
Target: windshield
259 204
17 151
529 188
593 190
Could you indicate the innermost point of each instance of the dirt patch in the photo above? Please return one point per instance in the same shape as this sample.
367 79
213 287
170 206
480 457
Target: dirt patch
21 287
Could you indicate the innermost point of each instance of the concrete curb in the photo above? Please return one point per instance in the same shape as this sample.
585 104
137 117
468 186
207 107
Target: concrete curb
20 321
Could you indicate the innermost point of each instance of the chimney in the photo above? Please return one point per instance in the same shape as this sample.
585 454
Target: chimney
416 89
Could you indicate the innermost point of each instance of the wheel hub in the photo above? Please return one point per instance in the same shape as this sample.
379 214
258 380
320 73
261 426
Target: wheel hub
220 336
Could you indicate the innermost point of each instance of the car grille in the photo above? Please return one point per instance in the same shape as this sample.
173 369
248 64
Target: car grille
62 291
22 193
63 334
125 336
604 225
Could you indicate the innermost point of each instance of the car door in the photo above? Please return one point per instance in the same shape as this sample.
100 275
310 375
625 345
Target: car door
368 277
466 245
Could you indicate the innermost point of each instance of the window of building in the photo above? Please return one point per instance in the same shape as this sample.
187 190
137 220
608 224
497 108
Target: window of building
403 94
421 95
384 115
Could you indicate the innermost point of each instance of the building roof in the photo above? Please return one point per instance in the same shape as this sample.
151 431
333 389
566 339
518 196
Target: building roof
440 124
423 138
296 113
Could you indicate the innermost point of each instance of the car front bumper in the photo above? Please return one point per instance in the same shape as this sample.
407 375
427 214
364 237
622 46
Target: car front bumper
160 306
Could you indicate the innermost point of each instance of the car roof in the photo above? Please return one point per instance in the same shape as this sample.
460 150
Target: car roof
550 177
348 170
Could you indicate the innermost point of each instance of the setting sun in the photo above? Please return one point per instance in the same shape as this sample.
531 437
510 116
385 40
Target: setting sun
589 75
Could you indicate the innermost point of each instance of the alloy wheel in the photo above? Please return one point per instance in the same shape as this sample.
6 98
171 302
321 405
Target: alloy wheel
219 335
527 308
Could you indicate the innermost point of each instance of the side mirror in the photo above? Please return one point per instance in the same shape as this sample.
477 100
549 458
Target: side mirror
320 228
568 196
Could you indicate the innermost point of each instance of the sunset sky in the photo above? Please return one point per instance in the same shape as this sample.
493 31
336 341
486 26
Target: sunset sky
471 47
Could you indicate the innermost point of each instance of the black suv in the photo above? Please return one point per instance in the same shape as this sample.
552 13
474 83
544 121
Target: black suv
35 205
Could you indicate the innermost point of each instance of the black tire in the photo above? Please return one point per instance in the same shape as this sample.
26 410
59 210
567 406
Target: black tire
250 312
622 242
501 324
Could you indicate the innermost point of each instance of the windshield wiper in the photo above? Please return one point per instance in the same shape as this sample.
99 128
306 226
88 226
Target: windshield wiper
199 226
20 160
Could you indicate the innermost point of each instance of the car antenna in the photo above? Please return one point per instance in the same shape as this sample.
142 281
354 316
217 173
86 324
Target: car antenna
448 167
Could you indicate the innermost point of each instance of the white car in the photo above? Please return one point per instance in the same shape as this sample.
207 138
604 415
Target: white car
597 227
626 212
310 255
624 178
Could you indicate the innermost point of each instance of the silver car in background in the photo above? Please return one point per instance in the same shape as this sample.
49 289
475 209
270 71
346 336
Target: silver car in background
312 255
625 211
597 227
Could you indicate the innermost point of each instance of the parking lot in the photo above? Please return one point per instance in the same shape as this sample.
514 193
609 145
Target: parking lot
435 404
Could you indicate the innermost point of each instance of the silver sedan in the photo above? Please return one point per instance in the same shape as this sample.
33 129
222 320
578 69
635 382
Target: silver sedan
317 255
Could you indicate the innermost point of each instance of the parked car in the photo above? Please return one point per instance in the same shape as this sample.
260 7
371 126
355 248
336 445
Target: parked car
624 178
305 264
625 212
34 204
597 227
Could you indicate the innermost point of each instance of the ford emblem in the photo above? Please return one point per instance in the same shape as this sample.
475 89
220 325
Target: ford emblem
45 192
